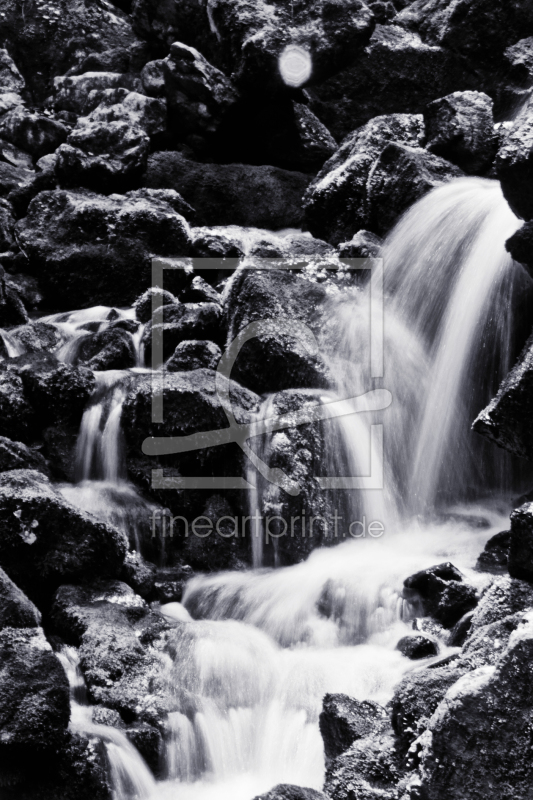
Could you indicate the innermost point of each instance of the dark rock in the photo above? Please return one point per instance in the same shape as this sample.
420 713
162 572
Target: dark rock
34 692
217 243
153 78
170 583
45 540
416 698
506 596
514 163
149 742
17 417
10 78
113 348
37 337
12 178
186 321
72 92
194 355
278 358
232 194
120 105
396 73
460 128
370 769
343 720
401 176
225 549
7 225
35 133
88 249
200 292
106 157
14 156
16 455
186 21
144 305
23 192
12 310
416 647
484 645
521 547
139 574
286 791
16 610
460 630
363 245
336 203
443 593
495 556
520 245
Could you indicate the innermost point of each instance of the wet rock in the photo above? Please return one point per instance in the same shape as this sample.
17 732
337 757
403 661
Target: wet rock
217 243
277 358
484 646
12 310
495 556
34 692
106 157
506 420
170 583
401 176
37 337
520 245
225 549
343 720
336 202
199 95
416 697
396 73
145 307
232 194
505 597
43 44
35 133
370 769
88 249
32 183
186 321
149 742
521 548
45 540
363 245
443 593
10 78
113 348
120 105
417 647
16 455
460 128
12 178
195 354
17 417
120 648
514 163
475 743
73 92
139 574
16 610
200 291
286 791
460 630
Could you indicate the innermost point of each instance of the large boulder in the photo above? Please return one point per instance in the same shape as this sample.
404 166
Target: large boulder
12 309
371 770
232 194
514 163
336 203
88 249
120 105
16 455
343 720
17 417
33 132
520 245
504 598
443 593
194 354
45 540
16 610
10 78
521 547
112 348
180 323
76 92
478 736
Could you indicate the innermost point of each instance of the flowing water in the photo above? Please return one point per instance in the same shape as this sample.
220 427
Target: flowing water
256 651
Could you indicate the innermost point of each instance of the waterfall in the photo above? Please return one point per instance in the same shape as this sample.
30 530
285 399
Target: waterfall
129 775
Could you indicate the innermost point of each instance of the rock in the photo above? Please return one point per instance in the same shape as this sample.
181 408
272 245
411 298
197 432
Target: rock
35 133
484 646
59 391
186 21
521 547
153 78
416 697
186 321
506 596
416 647
506 420
12 178
170 583
396 73
34 692
255 37
88 249
16 610
149 742
466 27
217 243
520 245
460 128
120 648
363 245
17 417
195 354
107 157
120 105
286 791
232 194
460 630
16 455
336 202
113 348
7 225
139 574
50 41
72 92
343 720
22 193
14 156
514 163
401 176
495 556
199 95
477 735
45 540
369 770
144 305
37 337
12 310
10 78
200 291
443 593
279 358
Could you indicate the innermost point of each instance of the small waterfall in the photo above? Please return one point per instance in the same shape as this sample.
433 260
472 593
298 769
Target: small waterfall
129 775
